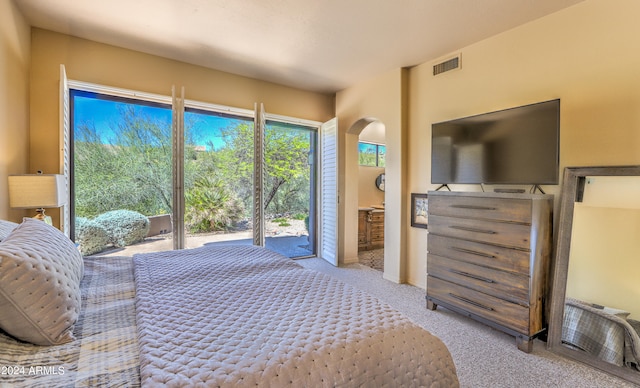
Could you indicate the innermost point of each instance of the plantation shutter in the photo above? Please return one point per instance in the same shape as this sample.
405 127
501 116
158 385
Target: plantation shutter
177 115
329 191
258 176
65 151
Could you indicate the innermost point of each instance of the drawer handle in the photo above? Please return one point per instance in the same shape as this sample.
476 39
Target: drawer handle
471 302
468 229
473 207
471 251
472 276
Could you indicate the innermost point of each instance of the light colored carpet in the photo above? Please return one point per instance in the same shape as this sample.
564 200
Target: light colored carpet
484 357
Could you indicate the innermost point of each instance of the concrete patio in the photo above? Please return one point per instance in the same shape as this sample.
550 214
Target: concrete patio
287 245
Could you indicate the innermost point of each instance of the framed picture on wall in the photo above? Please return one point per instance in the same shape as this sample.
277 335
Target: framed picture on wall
419 207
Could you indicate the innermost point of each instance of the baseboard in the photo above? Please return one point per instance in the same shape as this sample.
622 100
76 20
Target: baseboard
390 278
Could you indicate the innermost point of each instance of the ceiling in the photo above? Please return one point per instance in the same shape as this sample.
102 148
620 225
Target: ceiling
317 45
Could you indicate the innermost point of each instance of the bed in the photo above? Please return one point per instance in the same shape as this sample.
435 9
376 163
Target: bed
213 316
603 332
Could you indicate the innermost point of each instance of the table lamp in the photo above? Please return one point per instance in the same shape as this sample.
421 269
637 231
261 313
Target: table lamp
38 191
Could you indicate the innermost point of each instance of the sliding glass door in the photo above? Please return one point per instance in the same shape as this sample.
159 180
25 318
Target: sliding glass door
290 188
121 169
123 165
218 165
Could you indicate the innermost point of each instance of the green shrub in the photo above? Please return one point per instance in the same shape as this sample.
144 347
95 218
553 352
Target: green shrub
90 236
211 206
124 227
299 216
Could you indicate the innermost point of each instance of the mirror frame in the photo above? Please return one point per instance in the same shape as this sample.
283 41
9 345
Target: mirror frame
572 192
379 180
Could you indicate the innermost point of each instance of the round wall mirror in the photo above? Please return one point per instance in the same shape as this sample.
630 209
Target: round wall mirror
380 182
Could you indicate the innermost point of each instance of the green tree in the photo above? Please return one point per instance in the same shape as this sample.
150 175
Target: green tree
287 170
130 171
287 166
234 162
146 143
133 170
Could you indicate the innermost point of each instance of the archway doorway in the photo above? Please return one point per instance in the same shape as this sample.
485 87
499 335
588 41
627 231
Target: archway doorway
371 151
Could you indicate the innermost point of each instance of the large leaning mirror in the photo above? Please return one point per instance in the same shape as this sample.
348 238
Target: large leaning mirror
595 294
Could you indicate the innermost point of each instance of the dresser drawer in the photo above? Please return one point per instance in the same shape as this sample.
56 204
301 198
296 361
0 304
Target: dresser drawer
499 233
487 208
377 227
501 284
377 235
505 259
377 217
507 314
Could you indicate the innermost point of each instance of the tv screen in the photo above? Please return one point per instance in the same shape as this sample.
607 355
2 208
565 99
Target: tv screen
512 146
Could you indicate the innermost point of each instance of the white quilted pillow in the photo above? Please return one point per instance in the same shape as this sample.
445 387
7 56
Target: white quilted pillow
5 228
40 273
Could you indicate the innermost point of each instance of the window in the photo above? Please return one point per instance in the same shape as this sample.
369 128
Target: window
122 158
371 154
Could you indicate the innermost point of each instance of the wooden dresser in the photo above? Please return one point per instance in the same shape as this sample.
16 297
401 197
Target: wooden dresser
488 258
370 229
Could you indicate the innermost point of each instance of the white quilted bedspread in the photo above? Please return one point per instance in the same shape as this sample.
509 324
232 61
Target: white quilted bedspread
246 316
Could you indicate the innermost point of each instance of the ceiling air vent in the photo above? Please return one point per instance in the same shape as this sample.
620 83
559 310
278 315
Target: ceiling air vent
449 64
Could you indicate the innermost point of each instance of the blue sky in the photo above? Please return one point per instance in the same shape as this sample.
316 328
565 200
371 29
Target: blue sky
105 114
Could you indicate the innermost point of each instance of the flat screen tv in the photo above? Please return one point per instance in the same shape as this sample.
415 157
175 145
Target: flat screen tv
512 146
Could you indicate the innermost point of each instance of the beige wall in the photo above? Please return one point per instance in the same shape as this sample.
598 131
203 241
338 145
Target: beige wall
381 98
604 251
586 55
605 244
15 59
98 63
368 193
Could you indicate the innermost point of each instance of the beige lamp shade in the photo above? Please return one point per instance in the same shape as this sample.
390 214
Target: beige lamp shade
37 191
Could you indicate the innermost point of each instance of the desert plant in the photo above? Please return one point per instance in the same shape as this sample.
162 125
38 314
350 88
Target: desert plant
124 227
211 206
90 236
